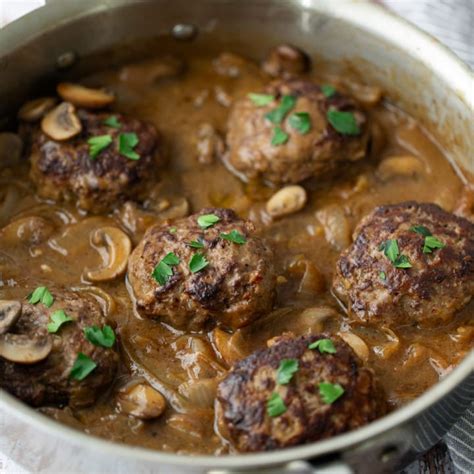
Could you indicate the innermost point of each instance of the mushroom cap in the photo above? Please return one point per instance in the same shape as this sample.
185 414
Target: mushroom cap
24 349
9 313
86 97
61 123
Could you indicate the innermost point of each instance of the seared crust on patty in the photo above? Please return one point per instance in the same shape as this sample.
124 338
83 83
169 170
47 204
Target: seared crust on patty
66 171
431 291
316 153
49 382
242 396
234 289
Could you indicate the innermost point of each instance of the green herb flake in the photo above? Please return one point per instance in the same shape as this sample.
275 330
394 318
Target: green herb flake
420 229
198 262
41 294
277 115
323 346
343 122
402 262
163 270
328 90
275 405
58 318
172 230
197 244
260 100
207 220
301 122
127 143
392 252
431 243
112 122
104 337
98 144
82 367
279 136
330 392
234 236
286 370
383 276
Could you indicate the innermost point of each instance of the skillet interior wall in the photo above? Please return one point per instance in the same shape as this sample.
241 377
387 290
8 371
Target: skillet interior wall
122 32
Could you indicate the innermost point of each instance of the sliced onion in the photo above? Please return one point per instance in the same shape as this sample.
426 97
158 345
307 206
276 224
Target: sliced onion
356 343
199 393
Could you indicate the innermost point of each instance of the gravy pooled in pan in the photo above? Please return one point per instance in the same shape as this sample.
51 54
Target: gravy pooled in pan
207 255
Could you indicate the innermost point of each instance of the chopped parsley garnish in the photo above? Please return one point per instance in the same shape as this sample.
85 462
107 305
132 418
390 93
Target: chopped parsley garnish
328 90
58 318
98 144
392 252
207 220
163 270
197 244
172 230
343 122
383 276
112 122
279 136
420 229
330 392
286 370
198 262
432 243
277 115
323 345
127 143
41 294
82 367
301 122
275 405
261 100
104 337
234 236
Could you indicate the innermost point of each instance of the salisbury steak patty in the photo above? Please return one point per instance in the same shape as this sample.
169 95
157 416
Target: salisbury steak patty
67 170
329 393
171 279
409 263
50 381
290 147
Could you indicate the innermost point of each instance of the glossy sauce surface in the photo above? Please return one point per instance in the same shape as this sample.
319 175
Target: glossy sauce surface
407 360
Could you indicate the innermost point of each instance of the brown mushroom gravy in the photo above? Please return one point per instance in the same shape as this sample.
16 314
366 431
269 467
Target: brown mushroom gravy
56 245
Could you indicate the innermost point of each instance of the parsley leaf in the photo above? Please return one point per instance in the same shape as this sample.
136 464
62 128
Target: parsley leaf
323 345
343 122
163 270
127 142
197 244
432 243
58 318
112 122
234 236
392 252
383 276
301 122
420 229
172 230
207 220
275 405
104 337
277 115
330 392
328 90
261 100
279 136
286 370
402 262
41 294
98 144
198 262
82 367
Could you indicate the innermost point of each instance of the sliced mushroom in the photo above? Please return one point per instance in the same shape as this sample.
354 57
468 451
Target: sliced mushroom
31 230
9 313
118 246
84 96
34 110
25 349
286 60
61 123
357 344
11 147
141 401
287 200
